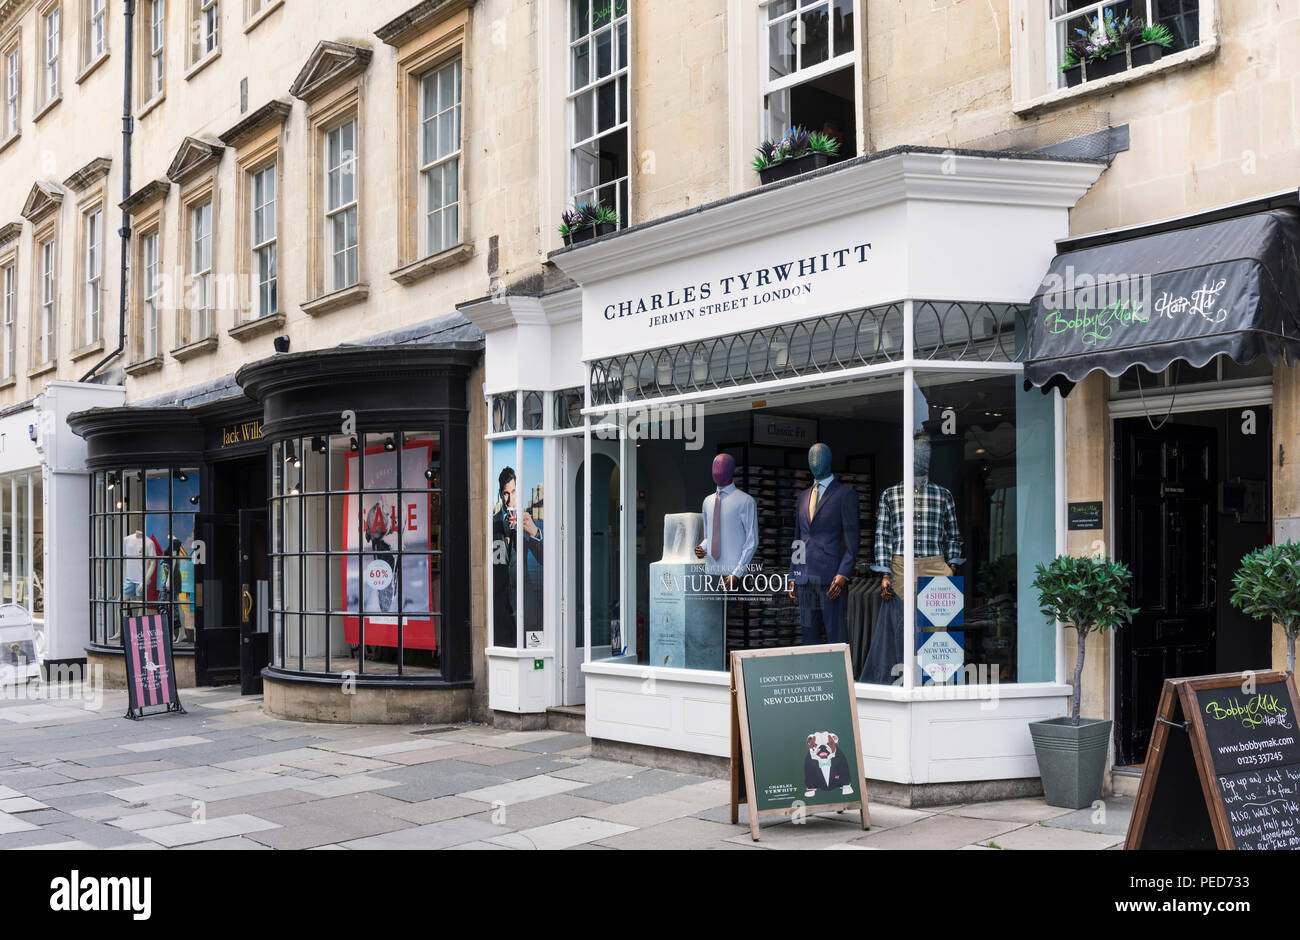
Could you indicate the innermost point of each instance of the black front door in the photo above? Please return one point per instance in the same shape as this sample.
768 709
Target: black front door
254 588
216 643
1167 483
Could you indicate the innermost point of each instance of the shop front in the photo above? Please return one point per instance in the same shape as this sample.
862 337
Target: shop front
1182 337
289 521
43 510
805 420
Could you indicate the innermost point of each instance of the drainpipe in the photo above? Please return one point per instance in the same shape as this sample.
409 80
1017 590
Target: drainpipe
125 231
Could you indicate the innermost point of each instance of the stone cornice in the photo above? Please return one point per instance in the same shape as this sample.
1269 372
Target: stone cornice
94 170
420 17
9 232
149 192
274 111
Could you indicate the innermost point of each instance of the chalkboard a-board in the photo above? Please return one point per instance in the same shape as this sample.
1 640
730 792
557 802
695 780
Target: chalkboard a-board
1223 767
795 745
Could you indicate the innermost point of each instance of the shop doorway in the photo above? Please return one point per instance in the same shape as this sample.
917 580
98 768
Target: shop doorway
1192 497
232 639
606 627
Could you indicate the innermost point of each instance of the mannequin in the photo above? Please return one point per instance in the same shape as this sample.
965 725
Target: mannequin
938 541
136 573
825 547
730 525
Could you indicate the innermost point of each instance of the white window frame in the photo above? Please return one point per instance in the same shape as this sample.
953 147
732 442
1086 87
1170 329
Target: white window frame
768 86
94 274
97 37
150 290
13 84
1056 25
618 69
209 25
437 164
200 313
348 163
264 209
8 328
50 29
157 45
49 316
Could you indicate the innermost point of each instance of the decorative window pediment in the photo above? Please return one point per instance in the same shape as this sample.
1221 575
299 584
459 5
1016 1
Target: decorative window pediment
275 111
330 63
96 169
424 15
193 156
9 232
146 194
45 197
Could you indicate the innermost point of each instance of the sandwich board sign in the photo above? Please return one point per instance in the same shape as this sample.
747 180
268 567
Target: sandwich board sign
1223 767
150 670
19 658
795 744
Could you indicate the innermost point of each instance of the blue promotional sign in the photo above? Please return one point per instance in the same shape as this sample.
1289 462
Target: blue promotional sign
940 602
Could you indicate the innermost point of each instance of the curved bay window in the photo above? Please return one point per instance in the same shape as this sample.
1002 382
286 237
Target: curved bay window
142 549
356 553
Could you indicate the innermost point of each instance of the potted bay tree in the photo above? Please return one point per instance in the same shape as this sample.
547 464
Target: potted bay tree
1268 585
1088 595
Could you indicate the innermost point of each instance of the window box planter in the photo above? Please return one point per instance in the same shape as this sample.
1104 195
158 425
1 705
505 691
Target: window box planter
788 168
584 234
1144 53
605 228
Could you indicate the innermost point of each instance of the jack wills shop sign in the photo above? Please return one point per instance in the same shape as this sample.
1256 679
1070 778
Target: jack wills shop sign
1229 287
843 264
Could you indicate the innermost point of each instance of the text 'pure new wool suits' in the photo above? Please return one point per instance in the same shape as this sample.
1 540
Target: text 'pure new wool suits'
828 542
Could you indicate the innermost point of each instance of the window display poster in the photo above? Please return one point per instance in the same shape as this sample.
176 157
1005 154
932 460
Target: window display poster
393 525
799 729
171 535
518 538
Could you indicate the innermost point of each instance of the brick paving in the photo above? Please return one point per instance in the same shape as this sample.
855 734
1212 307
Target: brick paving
228 776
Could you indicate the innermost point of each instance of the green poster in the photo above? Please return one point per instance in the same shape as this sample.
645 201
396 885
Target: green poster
802 718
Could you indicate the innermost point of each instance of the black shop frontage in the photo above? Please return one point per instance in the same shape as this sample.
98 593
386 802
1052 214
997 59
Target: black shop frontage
290 522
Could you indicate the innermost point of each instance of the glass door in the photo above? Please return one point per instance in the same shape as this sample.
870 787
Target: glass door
607 629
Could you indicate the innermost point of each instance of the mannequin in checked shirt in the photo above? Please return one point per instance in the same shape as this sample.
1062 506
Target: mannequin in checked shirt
938 541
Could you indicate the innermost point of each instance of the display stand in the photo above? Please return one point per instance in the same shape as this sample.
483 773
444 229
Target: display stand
150 670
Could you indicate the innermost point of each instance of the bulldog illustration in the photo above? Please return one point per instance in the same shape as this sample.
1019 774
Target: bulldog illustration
826 768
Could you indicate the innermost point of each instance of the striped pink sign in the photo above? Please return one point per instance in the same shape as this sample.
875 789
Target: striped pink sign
148 648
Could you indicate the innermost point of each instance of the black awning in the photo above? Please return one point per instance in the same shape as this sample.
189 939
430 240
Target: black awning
1229 287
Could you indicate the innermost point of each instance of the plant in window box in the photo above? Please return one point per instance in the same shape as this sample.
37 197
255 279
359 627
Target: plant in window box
796 151
1087 595
604 219
1110 46
586 221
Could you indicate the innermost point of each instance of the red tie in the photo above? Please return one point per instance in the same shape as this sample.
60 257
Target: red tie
715 549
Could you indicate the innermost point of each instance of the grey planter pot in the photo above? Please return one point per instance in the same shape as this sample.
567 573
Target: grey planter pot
1071 760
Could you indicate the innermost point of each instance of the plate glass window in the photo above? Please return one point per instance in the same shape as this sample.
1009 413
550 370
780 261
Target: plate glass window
94 275
599 142
440 156
341 203
264 240
201 271
808 69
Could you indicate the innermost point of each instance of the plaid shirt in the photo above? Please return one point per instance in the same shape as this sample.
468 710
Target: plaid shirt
936 529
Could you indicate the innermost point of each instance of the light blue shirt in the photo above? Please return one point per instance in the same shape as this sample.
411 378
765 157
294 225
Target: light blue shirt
739 531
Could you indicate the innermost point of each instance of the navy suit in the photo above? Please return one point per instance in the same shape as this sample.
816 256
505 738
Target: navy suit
830 543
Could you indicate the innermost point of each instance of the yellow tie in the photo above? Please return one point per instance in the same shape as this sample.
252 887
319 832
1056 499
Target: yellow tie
812 501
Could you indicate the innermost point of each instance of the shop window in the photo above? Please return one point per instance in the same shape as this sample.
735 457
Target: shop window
504 412
356 553
808 69
341 204
533 411
1221 372
980 451
13 87
49 87
22 542
599 130
142 550
568 405
440 148
518 527
8 329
